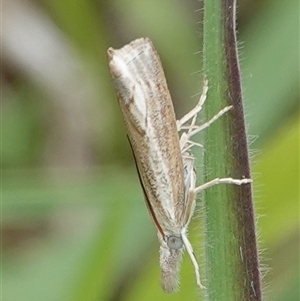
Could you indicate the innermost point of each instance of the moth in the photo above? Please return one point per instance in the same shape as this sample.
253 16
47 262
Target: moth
164 160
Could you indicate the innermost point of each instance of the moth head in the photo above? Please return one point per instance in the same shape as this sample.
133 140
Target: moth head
174 242
170 264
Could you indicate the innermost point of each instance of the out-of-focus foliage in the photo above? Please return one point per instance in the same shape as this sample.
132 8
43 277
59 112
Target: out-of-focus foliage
74 226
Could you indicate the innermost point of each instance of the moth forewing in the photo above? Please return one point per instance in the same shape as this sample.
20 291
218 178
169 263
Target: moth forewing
150 120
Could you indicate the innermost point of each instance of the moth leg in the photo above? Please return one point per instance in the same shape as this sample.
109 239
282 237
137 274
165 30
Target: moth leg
189 212
221 181
190 251
186 144
189 208
185 140
196 110
196 129
189 145
190 203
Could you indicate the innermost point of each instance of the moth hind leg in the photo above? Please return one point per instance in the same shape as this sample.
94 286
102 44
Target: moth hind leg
192 131
194 112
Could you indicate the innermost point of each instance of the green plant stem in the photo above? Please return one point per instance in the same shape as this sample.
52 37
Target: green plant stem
232 268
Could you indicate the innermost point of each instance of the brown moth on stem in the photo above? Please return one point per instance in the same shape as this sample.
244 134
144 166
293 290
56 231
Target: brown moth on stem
164 161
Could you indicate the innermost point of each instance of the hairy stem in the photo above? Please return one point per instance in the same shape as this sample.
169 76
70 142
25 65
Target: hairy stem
231 249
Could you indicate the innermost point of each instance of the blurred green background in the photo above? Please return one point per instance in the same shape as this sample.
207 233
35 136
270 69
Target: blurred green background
74 224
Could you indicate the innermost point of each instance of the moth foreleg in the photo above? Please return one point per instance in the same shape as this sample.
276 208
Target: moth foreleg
190 251
190 204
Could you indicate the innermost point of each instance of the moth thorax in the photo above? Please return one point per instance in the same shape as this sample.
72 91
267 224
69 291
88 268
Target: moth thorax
174 242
